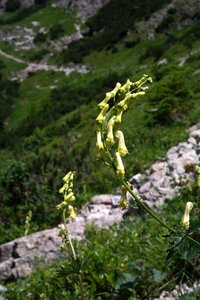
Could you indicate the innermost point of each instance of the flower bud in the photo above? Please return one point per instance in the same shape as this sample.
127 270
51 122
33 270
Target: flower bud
126 87
110 136
123 201
61 205
72 213
99 143
109 95
121 146
118 117
186 217
69 197
102 114
62 189
120 166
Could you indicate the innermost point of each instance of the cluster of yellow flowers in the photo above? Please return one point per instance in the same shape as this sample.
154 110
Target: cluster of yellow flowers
68 195
112 108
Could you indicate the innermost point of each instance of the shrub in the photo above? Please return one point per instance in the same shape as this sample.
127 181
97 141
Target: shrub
20 192
155 49
40 2
40 38
56 31
37 56
12 5
170 99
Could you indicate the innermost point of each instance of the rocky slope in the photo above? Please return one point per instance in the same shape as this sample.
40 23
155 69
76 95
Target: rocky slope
158 184
83 8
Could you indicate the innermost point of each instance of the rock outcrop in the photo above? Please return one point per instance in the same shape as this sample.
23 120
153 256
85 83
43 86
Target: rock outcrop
164 178
174 15
83 8
160 182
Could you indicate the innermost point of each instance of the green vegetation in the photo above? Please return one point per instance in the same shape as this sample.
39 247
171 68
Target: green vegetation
109 26
126 261
47 128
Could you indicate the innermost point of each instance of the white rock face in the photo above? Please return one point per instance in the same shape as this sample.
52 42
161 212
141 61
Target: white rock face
84 8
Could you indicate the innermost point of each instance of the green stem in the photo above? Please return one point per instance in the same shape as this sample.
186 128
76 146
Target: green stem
193 240
69 238
73 254
80 277
145 207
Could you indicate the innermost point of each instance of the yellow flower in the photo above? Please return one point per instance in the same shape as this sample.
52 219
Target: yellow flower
126 87
69 197
61 205
110 136
120 166
102 114
186 217
62 189
109 95
72 213
69 176
123 201
118 117
121 146
99 143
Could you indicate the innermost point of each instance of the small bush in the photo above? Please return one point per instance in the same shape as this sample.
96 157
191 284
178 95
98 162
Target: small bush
40 38
56 31
37 56
12 5
155 49
170 99
40 2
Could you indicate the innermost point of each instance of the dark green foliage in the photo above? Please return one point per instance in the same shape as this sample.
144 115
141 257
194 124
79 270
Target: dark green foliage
9 90
12 5
37 56
170 99
40 38
56 31
20 15
40 2
155 49
126 261
109 26
20 192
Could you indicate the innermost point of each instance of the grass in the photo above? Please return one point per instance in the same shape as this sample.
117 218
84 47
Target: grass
11 66
34 93
47 17
127 260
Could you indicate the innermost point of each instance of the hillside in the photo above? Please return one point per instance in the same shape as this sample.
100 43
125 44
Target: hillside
57 61
47 118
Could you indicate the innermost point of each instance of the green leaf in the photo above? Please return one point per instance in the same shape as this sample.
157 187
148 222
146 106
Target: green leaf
124 280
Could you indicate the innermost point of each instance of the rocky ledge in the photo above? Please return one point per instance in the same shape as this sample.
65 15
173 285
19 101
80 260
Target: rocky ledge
19 257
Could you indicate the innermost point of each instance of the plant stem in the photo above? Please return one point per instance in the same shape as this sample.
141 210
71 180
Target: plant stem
193 240
80 277
145 207
68 236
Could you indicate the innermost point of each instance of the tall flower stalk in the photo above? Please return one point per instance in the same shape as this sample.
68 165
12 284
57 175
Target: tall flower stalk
111 142
67 210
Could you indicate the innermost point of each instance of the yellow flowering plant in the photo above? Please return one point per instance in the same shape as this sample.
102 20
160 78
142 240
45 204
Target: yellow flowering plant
112 148
68 213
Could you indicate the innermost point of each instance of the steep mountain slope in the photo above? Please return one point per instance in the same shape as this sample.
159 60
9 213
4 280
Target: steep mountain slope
47 123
